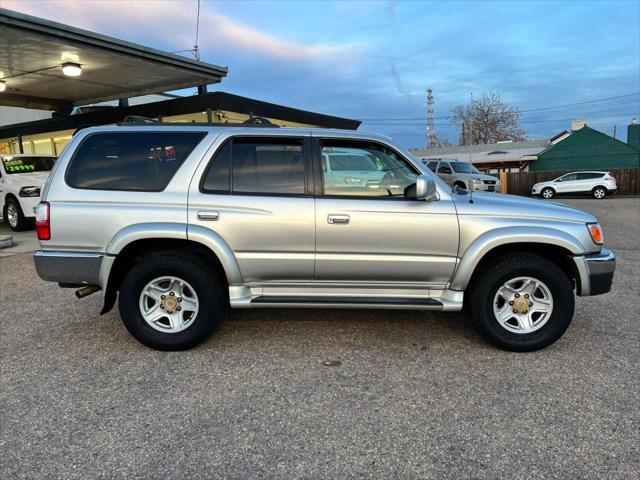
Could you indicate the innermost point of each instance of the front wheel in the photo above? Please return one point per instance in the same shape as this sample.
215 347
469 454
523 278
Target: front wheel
12 213
599 193
522 303
171 302
547 193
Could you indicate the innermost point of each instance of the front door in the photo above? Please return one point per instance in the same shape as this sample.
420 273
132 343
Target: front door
567 184
367 231
445 172
256 196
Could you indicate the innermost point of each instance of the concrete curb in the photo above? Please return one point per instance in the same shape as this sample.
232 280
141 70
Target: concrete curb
6 241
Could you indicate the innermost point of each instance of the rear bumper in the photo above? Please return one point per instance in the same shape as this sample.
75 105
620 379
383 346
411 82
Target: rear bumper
69 267
595 272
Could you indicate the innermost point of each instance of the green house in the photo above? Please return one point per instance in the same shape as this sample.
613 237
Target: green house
589 149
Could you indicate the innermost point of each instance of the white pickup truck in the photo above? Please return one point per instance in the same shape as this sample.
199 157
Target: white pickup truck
21 178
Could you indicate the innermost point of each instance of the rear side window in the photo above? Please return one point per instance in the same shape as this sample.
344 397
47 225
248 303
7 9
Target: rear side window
257 165
589 176
130 161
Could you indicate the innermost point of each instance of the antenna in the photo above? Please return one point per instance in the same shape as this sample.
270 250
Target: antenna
431 135
196 50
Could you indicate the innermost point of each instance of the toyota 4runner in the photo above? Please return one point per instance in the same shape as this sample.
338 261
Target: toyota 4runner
178 223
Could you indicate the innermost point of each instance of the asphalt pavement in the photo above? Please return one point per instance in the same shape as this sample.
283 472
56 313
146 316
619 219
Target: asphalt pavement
321 393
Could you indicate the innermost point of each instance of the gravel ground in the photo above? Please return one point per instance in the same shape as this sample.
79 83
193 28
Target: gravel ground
406 394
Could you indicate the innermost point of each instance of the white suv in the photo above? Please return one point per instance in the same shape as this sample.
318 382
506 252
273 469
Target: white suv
597 184
21 177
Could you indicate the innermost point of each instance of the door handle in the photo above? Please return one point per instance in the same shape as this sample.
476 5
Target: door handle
338 219
209 216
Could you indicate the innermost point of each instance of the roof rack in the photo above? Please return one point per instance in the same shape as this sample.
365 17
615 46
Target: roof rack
257 122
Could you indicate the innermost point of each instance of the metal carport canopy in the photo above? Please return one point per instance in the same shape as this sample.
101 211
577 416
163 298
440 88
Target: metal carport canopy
32 51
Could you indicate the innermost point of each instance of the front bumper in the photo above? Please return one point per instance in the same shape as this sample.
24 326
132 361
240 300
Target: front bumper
28 205
69 267
595 272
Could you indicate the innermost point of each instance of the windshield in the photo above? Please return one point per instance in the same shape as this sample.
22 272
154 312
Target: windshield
463 167
13 165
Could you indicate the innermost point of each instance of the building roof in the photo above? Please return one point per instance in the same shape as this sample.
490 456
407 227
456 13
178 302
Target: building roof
179 106
32 51
487 153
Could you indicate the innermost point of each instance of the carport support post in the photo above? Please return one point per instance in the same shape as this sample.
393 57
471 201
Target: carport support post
20 147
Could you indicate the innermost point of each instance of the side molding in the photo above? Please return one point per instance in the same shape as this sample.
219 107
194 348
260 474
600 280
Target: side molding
509 235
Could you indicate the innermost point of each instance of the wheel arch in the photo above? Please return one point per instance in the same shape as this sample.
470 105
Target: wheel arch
555 244
140 241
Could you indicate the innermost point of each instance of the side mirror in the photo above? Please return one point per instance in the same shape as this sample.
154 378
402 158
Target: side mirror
426 188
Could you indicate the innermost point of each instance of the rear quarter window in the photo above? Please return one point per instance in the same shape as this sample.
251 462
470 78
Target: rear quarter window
130 161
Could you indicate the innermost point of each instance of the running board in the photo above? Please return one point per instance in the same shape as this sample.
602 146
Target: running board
346 302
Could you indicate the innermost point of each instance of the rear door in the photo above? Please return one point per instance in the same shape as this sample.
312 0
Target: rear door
373 234
255 193
588 180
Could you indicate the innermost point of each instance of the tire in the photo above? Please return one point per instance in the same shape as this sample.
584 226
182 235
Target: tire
13 216
207 289
511 336
599 193
547 193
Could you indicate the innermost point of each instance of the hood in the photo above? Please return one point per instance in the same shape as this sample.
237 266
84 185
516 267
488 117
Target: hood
486 177
32 179
498 204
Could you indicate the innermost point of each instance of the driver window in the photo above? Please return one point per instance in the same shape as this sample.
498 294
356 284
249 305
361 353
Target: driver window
445 168
364 170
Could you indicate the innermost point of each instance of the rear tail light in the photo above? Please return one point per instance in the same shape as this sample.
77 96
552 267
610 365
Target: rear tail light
43 221
596 233
610 177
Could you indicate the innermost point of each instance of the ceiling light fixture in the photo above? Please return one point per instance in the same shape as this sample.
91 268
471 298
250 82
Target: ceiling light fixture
3 86
71 69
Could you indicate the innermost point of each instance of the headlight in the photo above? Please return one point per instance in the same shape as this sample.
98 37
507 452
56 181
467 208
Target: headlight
595 230
29 192
475 180
352 180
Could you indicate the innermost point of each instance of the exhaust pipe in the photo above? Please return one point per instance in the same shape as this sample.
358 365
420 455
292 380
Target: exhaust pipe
86 291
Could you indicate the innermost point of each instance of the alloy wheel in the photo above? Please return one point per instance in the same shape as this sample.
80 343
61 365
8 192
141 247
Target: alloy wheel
12 215
169 304
523 305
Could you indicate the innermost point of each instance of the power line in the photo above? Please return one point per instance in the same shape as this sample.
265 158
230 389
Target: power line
614 113
509 112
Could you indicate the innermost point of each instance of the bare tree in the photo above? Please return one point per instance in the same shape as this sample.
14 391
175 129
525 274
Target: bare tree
442 142
488 120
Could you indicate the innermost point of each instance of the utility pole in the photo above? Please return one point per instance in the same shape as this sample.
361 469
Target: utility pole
431 135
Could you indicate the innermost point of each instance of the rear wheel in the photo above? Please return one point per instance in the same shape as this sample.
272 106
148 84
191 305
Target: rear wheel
522 303
12 214
547 192
599 193
171 303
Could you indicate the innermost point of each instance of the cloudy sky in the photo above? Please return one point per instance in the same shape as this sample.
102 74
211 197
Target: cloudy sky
374 60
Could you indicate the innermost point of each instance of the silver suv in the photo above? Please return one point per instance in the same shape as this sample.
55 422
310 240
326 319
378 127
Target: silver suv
462 174
181 222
